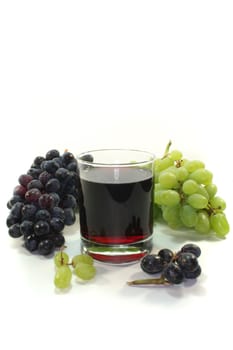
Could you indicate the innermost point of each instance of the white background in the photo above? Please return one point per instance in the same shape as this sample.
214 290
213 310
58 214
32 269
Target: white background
80 75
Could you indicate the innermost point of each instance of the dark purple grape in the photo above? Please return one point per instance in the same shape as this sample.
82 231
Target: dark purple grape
73 166
11 220
32 195
58 240
31 242
53 185
20 190
61 174
152 263
187 261
44 177
70 217
35 183
191 248
50 166
14 231
28 211
24 179
58 212
173 273
46 201
16 210
46 247
38 160
56 224
34 172
43 214
166 255
67 157
68 201
27 227
41 228
53 153
193 274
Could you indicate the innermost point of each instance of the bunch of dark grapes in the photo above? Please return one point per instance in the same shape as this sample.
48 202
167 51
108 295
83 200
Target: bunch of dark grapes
174 268
44 202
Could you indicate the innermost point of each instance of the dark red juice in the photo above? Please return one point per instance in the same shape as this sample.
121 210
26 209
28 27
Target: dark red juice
116 205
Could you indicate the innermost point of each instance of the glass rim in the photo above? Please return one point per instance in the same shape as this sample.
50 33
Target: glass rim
150 155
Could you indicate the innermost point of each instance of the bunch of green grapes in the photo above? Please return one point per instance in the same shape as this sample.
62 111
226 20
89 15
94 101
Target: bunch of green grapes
81 264
186 196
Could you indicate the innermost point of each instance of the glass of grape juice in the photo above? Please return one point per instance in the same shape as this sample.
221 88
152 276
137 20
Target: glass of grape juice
116 204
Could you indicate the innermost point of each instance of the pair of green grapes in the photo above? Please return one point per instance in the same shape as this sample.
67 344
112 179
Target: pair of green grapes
185 195
82 265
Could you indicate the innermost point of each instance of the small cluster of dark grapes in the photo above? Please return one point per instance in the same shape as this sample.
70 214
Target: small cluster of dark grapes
44 202
173 267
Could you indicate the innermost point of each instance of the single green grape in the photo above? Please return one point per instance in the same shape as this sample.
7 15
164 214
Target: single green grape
203 222
202 190
193 165
189 187
202 176
188 215
82 258
158 197
175 155
162 164
197 201
85 271
167 180
211 189
169 197
170 214
62 277
220 224
218 203
181 173
61 258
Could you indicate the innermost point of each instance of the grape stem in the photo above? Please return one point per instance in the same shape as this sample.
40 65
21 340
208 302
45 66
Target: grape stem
167 149
152 281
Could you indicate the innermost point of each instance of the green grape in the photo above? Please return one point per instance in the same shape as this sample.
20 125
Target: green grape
63 277
170 214
167 180
218 203
158 197
193 165
201 190
220 224
162 164
188 215
197 201
189 187
202 176
175 155
61 258
82 258
181 174
211 189
203 222
157 187
85 271
169 197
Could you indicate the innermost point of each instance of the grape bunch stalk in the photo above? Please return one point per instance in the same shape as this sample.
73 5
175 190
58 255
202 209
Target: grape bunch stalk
44 201
185 196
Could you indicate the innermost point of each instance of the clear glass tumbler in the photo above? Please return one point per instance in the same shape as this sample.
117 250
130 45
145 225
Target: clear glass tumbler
116 204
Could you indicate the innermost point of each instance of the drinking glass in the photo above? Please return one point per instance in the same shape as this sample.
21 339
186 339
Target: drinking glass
116 204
